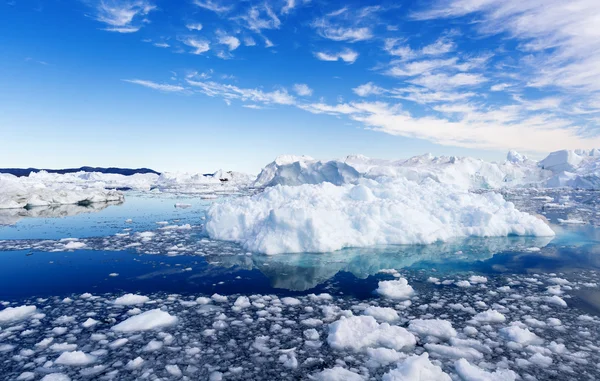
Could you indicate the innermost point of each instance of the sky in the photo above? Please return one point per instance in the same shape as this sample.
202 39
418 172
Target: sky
199 85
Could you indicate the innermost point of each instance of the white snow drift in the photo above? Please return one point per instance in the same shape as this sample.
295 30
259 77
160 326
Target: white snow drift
325 217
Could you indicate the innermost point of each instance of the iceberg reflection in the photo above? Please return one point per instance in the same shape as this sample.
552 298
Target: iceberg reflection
12 216
301 272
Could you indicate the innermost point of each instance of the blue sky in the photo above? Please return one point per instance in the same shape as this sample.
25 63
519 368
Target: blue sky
198 85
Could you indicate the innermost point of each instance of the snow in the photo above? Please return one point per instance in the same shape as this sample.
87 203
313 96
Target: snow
325 217
416 368
11 314
395 289
131 299
148 320
360 332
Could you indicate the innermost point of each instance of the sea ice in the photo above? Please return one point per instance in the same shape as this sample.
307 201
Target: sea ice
148 320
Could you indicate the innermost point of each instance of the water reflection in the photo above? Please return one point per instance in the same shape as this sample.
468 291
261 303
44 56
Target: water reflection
301 272
12 216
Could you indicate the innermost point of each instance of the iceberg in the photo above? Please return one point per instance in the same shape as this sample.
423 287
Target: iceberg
390 211
16 193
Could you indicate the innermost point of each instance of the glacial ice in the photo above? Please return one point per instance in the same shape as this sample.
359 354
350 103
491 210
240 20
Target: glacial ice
325 217
16 193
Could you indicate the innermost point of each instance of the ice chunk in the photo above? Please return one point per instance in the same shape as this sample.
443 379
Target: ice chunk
360 332
385 314
395 289
441 329
520 335
416 368
489 316
56 377
11 314
470 372
131 299
148 320
75 358
336 374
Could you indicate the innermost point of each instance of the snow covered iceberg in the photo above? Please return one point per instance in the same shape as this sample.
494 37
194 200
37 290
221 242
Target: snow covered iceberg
324 217
18 193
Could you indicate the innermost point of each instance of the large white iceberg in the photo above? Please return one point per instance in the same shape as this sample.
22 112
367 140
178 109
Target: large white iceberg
325 217
18 192
566 168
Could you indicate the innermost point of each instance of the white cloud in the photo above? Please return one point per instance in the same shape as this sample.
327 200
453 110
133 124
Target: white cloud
200 46
424 96
346 34
161 45
260 17
213 6
499 87
561 37
122 16
499 129
444 81
231 92
441 46
232 42
347 24
346 55
249 41
368 89
157 86
288 6
303 90
194 26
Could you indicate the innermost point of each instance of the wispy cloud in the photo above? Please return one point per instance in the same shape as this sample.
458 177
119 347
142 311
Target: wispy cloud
200 46
368 89
122 16
345 24
194 26
232 42
157 86
562 38
303 90
232 92
346 55
214 6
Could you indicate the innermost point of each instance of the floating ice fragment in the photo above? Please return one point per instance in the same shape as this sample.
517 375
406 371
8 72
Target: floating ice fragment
416 368
360 332
395 289
76 358
336 374
148 320
489 316
441 329
131 299
11 314
470 372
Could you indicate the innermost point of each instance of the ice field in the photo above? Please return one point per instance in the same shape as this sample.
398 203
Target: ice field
428 269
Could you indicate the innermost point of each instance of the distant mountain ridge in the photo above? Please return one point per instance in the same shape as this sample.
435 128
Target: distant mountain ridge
20 172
